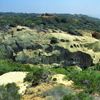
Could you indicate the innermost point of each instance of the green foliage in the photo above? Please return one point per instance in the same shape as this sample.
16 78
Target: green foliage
59 70
72 74
69 97
1 52
88 80
97 67
38 22
57 92
62 93
9 66
79 96
37 75
29 77
62 22
54 40
9 92
34 76
84 96
64 29
69 68
54 79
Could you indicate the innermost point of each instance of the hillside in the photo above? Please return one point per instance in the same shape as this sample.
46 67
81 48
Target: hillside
64 22
80 16
52 57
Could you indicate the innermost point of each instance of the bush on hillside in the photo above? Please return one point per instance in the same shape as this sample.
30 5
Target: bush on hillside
29 77
57 92
79 96
34 76
64 29
9 92
9 65
59 70
97 67
6 67
89 80
54 40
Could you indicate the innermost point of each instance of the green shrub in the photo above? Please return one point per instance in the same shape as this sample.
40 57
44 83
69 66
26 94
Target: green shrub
37 75
57 92
6 67
69 97
34 76
54 40
29 77
64 29
97 67
9 66
69 68
54 79
1 52
72 74
59 70
79 96
88 80
9 92
84 96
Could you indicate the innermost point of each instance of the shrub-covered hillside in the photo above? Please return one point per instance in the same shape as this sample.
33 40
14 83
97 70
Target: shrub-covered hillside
63 22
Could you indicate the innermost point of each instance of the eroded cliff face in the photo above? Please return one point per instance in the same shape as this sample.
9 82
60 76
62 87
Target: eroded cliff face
25 45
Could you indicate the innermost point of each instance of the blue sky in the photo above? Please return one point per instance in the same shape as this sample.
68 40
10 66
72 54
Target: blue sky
87 7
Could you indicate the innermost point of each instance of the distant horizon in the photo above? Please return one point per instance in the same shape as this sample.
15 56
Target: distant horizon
53 13
86 7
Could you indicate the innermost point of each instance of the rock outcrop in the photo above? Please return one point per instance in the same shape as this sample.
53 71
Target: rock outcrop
28 46
60 80
48 15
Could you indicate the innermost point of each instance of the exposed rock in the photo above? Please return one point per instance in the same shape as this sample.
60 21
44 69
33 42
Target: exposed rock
20 28
48 15
77 68
28 46
60 80
90 33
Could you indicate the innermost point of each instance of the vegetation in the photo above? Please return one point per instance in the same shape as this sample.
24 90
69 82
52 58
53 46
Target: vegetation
54 79
59 70
34 76
64 22
62 93
9 92
54 40
97 67
89 80
79 96
10 66
29 77
57 92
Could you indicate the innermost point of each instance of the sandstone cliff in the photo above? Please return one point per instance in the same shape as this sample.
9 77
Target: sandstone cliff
25 45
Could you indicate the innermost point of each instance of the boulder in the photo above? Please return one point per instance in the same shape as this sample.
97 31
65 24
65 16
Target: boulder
77 68
20 28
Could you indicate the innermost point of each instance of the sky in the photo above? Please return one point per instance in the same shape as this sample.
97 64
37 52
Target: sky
86 7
